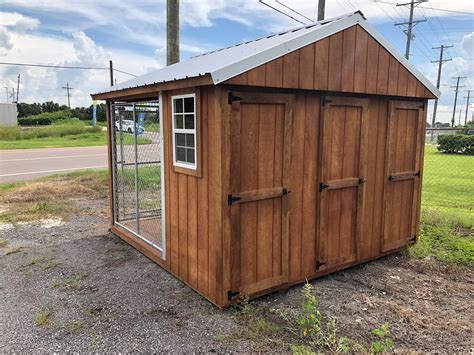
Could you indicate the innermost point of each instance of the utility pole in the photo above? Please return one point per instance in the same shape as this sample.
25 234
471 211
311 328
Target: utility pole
467 105
6 92
456 96
13 95
68 88
172 31
111 69
438 82
459 118
321 8
18 88
410 24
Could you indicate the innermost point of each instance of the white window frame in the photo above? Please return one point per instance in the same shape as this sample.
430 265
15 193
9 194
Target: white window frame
183 130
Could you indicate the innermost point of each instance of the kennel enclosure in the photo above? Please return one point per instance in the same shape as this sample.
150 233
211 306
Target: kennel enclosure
279 160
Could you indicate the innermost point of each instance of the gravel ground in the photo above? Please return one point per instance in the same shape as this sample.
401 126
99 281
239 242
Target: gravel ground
96 293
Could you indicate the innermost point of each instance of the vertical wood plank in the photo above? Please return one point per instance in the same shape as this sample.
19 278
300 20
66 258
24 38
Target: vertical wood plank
274 73
266 144
183 226
256 76
335 61
309 184
402 81
215 194
306 70
392 76
348 58
296 196
372 66
383 67
360 66
377 224
203 202
411 87
321 63
192 230
290 69
241 79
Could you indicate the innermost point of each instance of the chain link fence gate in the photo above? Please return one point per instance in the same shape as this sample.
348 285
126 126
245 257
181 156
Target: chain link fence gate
448 178
137 155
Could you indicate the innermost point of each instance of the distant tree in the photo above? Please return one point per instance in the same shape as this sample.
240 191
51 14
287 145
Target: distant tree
50 106
25 109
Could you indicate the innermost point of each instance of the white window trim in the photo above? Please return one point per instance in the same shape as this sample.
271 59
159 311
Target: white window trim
183 130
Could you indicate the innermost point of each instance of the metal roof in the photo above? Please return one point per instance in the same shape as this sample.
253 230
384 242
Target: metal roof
226 63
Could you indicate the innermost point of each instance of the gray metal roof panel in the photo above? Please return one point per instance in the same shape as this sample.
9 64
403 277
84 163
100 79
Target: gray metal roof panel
226 63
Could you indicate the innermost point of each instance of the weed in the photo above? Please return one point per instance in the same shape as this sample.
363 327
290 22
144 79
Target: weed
44 263
317 332
72 282
13 250
74 326
43 319
384 343
448 240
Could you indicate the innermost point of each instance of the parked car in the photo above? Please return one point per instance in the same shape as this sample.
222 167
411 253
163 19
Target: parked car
127 126
470 131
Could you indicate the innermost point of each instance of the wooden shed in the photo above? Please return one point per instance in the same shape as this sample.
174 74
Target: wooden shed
271 162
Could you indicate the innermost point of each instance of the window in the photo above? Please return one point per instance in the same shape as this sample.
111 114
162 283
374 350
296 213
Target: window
184 131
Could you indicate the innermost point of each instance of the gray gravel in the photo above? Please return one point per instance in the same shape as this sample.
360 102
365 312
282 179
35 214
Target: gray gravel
105 296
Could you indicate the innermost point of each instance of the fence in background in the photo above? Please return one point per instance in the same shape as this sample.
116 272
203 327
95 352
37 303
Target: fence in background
448 180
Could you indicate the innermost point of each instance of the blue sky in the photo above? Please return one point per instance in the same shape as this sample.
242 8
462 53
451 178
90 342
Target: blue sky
132 34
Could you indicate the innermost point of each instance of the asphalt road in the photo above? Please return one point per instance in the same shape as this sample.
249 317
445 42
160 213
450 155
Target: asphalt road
27 164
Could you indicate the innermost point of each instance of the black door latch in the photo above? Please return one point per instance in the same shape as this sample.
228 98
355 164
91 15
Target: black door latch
231 199
323 186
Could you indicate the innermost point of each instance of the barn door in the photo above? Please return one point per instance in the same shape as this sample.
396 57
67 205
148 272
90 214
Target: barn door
343 164
404 144
260 134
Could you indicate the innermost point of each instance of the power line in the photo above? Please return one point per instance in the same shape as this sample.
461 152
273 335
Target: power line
281 12
63 67
410 24
293 10
438 9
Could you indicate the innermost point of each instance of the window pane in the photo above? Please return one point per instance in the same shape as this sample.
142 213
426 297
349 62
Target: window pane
178 121
190 155
178 105
189 121
190 140
181 154
180 139
189 104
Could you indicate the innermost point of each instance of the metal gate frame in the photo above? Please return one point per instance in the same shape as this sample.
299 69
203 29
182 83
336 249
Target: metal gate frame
114 192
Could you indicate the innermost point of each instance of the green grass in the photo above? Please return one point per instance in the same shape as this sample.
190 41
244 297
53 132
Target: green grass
72 134
43 319
152 127
446 239
448 185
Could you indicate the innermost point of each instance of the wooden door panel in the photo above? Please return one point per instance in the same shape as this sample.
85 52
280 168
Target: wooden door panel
343 156
404 140
259 166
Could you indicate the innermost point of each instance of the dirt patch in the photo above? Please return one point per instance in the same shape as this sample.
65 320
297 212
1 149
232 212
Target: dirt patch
82 289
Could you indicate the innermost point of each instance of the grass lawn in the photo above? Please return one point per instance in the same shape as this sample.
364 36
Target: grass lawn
75 140
448 185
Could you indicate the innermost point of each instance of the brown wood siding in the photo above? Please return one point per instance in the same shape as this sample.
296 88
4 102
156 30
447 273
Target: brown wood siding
348 61
194 214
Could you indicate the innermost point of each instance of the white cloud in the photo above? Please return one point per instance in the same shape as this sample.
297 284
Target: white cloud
6 42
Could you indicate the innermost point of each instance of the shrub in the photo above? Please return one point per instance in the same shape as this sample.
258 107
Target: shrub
45 118
10 133
456 144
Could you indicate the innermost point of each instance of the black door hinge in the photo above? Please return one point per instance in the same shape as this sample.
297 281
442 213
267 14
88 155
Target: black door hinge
413 239
319 264
231 98
323 186
361 180
232 294
326 101
231 199
418 173
285 191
